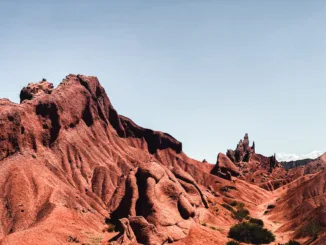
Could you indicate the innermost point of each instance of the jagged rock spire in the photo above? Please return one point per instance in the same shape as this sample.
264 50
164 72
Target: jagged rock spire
242 152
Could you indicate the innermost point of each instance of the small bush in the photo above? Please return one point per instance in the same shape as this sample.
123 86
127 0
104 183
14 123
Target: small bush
312 229
72 239
240 205
228 207
241 214
224 189
227 188
271 206
110 226
234 203
251 233
233 243
257 222
211 227
292 242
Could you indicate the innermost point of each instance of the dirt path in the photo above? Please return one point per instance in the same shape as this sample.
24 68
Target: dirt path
270 224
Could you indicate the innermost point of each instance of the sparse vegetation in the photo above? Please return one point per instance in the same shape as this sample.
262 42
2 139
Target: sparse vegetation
240 205
110 226
72 239
271 206
211 227
232 243
257 222
312 229
292 242
251 233
234 203
224 189
227 188
241 212
228 207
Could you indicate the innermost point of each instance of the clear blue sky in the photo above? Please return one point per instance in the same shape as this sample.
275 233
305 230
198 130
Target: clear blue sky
206 72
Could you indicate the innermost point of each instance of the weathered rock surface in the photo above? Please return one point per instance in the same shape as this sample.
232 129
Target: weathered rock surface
242 152
36 89
225 168
68 159
72 170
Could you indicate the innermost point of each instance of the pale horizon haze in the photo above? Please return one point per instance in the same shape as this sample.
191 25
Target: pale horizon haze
206 72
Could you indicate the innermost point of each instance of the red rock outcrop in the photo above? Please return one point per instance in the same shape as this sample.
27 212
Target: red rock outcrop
67 157
243 151
72 170
225 168
35 89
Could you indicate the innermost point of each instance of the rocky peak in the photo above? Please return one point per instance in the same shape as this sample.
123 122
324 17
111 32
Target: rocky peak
35 89
242 152
51 116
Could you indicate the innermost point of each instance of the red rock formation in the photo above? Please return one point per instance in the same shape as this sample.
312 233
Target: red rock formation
243 151
225 168
72 168
67 157
35 89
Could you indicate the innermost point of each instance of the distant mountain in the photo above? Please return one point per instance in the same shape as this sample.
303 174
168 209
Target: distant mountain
297 163
308 163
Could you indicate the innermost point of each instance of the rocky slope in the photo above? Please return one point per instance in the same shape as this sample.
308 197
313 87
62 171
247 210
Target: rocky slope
72 170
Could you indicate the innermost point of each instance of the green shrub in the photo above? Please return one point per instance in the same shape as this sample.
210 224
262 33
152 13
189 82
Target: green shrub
312 229
110 226
228 207
213 228
292 242
227 188
240 205
251 233
232 243
234 203
271 206
241 214
72 239
257 222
